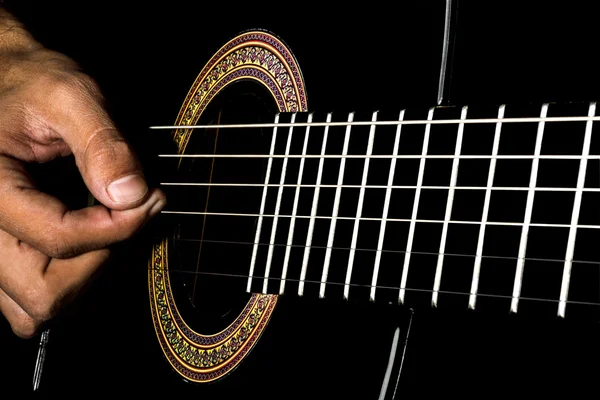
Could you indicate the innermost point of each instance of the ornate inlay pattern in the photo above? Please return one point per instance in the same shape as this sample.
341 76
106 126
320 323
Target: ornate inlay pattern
253 55
198 357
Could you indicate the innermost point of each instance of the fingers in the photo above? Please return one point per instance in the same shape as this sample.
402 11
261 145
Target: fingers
38 285
107 164
45 223
21 323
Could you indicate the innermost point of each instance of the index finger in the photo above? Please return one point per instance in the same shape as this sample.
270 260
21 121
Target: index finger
44 222
73 108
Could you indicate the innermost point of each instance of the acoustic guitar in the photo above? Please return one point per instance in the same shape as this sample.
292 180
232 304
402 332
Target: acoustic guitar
375 245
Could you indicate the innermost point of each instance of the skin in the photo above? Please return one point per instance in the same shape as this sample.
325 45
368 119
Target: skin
50 109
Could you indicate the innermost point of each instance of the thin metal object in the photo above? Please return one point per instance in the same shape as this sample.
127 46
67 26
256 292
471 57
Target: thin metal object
210 179
299 185
406 338
388 370
416 290
426 253
429 221
448 215
566 278
368 123
334 212
277 208
484 214
415 211
514 304
383 156
290 239
41 357
386 207
313 213
359 208
445 69
262 206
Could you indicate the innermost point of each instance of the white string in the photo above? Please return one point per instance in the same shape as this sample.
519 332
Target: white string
291 185
378 123
409 289
434 221
427 253
408 157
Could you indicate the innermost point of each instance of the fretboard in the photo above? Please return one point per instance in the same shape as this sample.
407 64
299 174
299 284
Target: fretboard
465 205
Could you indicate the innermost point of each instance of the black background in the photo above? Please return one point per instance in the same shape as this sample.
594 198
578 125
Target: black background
357 57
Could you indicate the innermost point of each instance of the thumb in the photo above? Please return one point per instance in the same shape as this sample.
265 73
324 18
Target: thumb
110 168
105 160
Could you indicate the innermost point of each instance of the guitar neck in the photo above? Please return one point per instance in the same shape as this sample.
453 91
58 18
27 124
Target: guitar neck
464 205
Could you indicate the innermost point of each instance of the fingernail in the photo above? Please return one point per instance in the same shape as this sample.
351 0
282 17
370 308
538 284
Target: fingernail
157 207
128 189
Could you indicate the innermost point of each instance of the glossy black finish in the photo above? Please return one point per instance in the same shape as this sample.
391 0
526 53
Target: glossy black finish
146 57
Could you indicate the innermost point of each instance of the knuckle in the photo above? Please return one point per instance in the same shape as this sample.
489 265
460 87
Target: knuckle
71 82
41 304
52 244
70 87
25 327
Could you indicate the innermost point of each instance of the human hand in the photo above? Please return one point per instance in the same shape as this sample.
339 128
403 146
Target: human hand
50 109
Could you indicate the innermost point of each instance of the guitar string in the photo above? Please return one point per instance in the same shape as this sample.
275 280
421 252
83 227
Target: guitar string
212 168
388 156
306 185
429 221
359 285
503 120
508 258
382 123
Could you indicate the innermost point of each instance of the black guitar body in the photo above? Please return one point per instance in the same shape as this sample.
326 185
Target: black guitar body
311 348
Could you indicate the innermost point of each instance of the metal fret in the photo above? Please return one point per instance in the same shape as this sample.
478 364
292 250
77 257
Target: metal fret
290 238
484 214
415 210
334 212
514 305
313 212
278 207
359 207
566 278
386 206
262 206
448 214
493 213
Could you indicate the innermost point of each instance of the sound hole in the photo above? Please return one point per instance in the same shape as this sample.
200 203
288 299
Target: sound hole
210 254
